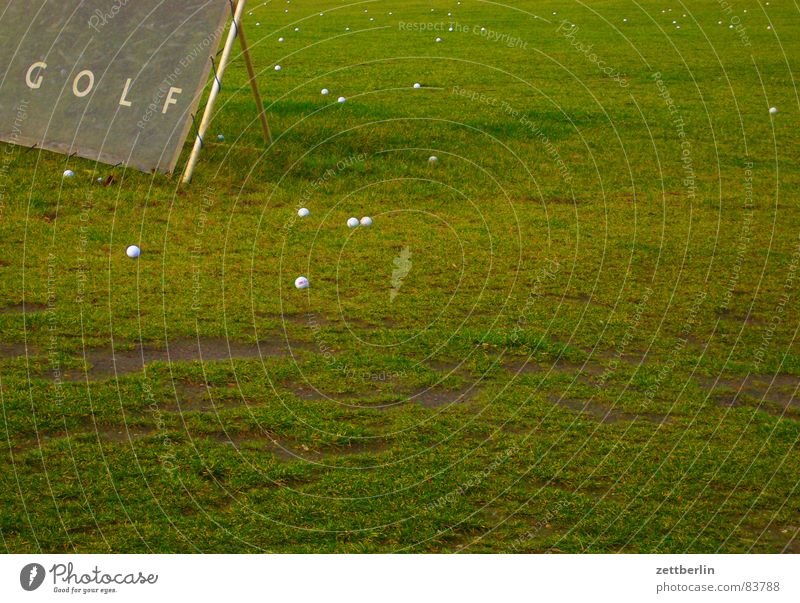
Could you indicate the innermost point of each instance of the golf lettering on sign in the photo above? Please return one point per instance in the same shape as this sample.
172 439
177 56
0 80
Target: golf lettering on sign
111 80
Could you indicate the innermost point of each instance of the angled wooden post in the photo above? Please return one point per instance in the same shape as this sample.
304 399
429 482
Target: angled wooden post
254 85
215 88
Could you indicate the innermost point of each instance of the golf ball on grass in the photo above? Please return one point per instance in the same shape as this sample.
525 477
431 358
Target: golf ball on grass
324 92
277 67
68 173
301 282
303 212
341 99
366 221
353 222
221 137
133 252
433 159
773 110
417 85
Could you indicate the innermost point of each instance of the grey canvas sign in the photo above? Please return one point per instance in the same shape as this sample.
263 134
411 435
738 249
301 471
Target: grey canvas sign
111 80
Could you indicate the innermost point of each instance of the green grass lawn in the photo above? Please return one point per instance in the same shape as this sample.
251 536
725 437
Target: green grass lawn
576 331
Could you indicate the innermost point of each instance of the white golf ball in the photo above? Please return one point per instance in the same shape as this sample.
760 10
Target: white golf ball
220 137
341 99
433 159
438 39
133 252
68 173
352 222
366 221
417 86
303 212
324 91
297 29
100 179
280 39
773 110
277 67
301 282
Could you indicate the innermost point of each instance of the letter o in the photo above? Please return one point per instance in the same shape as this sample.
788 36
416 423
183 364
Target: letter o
88 89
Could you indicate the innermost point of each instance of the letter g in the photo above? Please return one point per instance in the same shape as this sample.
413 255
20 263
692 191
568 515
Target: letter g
33 85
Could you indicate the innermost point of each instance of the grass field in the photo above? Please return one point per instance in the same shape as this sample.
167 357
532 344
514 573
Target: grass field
577 331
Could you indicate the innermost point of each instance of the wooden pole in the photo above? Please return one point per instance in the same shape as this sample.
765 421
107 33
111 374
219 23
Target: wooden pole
254 85
215 88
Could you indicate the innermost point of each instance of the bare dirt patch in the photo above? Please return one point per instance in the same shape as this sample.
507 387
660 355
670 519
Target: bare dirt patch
776 537
119 435
782 539
114 435
565 201
105 363
775 394
311 321
583 371
629 357
578 298
306 391
198 397
448 366
606 414
525 367
16 350
26 308
435 397
287 450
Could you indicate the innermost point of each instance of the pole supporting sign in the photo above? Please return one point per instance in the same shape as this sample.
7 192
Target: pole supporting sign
116 81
